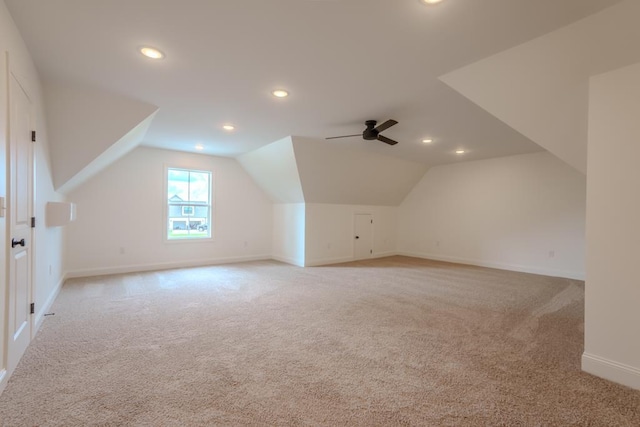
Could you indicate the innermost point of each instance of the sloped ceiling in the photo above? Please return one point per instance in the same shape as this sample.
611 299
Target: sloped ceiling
337 173
273 167
89 128
343 61
541 88
306 170
340 71
121 147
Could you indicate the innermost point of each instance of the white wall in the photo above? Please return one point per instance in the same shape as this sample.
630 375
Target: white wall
330 232
47 268
612 312
289 233
120 211
507 213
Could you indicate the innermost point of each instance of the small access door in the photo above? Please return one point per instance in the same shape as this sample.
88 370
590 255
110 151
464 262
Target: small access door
363 246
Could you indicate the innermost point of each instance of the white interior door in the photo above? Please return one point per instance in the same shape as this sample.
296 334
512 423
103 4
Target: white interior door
363 236
19 220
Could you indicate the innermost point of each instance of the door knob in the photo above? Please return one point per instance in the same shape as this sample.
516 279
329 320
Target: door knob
15 243
357 237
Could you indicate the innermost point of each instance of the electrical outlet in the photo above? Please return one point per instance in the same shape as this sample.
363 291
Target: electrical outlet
552 254
121 251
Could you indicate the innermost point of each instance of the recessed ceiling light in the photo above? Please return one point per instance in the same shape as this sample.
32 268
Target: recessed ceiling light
199 147
460 151
151 52
427 141
280 93
228 127
430 1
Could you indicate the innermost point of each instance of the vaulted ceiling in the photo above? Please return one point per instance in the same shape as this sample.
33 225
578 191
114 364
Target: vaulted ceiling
541 87
304 170
343 62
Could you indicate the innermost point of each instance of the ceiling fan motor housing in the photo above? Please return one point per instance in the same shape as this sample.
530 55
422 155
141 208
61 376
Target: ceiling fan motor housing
370 133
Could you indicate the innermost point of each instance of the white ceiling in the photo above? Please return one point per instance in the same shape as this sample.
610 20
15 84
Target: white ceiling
344 61
541 87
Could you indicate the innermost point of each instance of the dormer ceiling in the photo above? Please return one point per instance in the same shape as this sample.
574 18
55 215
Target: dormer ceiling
342 62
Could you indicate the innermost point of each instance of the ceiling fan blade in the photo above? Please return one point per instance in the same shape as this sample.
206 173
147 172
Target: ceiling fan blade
387 140
344 136
386 125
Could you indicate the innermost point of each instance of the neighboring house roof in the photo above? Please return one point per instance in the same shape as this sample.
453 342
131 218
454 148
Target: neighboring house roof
177 199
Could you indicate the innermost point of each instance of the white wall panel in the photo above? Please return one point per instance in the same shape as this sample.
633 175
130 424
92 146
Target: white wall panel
289 233
48 243
330 232
120 216
612 312
523 213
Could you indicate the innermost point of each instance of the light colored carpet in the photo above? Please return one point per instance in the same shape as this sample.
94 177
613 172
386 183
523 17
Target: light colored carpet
397 341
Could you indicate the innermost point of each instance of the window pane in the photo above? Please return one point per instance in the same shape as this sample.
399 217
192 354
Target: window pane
178 184
188 204
199 187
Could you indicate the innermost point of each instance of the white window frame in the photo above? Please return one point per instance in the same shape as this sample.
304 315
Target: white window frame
166 220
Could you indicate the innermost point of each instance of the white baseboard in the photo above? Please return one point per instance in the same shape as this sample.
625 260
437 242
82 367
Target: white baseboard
163 266
4 379
610 370
39 318
327 261
315 262
47 305
385 254
500 266
287 260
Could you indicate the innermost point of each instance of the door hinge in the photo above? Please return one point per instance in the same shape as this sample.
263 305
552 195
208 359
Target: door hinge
32 307
371 221
371 251
33 136
33 222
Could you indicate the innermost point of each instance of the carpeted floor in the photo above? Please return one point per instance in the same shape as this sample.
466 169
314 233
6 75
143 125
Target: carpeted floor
396 341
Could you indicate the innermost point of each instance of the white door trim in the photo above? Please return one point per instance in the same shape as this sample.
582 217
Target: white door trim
14 345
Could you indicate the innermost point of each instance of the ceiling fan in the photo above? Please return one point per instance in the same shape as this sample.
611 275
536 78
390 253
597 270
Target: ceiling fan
372 132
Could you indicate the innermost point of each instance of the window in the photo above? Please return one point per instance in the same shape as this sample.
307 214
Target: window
188 204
